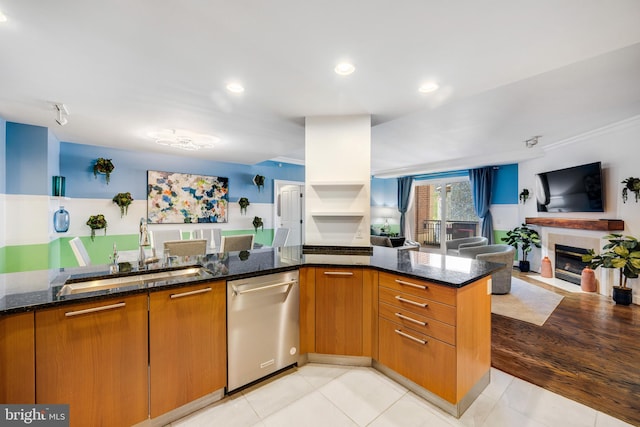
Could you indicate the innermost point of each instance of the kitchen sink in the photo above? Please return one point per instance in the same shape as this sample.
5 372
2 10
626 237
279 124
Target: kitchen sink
76 286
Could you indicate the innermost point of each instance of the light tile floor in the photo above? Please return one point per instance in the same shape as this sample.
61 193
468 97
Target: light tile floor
335 396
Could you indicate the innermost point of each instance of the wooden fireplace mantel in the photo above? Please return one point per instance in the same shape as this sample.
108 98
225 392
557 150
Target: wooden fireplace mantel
580 224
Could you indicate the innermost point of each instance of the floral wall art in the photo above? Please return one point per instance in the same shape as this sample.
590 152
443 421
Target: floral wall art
178 198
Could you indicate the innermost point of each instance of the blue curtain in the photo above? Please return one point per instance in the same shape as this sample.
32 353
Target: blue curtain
481 183
404 188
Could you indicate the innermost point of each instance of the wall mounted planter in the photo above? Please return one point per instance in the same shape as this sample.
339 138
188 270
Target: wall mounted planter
258 180
103 166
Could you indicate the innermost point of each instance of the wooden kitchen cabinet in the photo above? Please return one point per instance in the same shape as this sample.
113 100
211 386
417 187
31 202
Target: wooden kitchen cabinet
187 342
437 336
420 358
17 358
339 311
307 310
94 357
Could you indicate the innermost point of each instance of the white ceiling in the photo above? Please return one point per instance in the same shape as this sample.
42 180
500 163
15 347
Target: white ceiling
508 70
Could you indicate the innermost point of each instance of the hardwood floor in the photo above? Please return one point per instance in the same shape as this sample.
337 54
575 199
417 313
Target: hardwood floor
588 351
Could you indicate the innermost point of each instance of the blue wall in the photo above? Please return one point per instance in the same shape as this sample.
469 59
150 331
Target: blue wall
3 156
130 173
27 159
384 192
53 155
505 185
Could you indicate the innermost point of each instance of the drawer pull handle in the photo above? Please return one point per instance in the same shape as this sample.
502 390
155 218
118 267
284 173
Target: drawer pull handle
338 273
408 301
402 316
95 309
413 285
399 332
186 294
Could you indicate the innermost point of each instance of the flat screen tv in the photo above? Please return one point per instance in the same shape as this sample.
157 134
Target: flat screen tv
575 189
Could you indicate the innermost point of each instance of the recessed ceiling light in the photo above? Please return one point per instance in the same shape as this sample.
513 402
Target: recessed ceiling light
428 87
344 69
235 87
3 17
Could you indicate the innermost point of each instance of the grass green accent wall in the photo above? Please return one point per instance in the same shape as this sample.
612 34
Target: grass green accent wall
58 253
393 228
26 258
3 255
497 238
99 249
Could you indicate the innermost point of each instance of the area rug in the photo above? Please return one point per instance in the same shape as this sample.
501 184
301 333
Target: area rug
526 302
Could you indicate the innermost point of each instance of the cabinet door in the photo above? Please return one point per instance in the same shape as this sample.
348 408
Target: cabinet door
187 344
422 359
339 311
94 357
17 359
307 310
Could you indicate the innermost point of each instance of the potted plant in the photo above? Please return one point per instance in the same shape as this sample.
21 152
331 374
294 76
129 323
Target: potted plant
524 195
631 184
243 202
526 237
622 252
258 180
103 166
97 222
257 222
123 200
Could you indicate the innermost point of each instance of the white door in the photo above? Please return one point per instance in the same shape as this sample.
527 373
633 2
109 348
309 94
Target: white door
288 207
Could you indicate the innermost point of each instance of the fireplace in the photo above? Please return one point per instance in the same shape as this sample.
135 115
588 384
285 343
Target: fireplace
569 264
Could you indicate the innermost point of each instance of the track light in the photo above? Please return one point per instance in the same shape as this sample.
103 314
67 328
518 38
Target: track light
531 142
61 114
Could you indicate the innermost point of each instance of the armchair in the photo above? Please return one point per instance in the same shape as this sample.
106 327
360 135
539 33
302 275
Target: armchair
501 254
453 246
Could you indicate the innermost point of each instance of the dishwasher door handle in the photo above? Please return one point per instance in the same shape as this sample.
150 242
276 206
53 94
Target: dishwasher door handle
262 288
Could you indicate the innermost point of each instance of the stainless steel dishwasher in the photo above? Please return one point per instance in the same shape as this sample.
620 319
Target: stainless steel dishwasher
262 326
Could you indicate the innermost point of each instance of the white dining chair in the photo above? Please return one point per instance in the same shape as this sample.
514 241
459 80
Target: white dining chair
280 237
213 236
239 242
80 252
158 237
185 247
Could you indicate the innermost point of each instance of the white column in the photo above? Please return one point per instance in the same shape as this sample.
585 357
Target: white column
337 180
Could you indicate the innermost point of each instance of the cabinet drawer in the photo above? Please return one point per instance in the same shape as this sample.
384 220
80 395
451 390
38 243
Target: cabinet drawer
419 323
421 288
422 359
429 308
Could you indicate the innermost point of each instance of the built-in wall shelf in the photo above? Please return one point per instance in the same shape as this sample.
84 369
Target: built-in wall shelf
579 224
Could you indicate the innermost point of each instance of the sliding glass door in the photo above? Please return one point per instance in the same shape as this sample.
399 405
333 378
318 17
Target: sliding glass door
444 211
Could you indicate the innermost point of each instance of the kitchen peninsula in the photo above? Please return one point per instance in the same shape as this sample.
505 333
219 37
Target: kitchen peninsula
422 319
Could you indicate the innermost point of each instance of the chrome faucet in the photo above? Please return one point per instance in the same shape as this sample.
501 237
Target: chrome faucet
143 241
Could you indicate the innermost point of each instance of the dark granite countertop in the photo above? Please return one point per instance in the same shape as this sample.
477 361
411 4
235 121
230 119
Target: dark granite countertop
39 289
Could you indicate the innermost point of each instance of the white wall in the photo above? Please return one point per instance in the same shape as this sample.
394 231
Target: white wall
617 147
338 150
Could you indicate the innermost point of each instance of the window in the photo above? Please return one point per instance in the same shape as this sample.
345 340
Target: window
450 199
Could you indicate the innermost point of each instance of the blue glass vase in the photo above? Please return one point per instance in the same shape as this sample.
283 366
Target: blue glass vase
61 220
